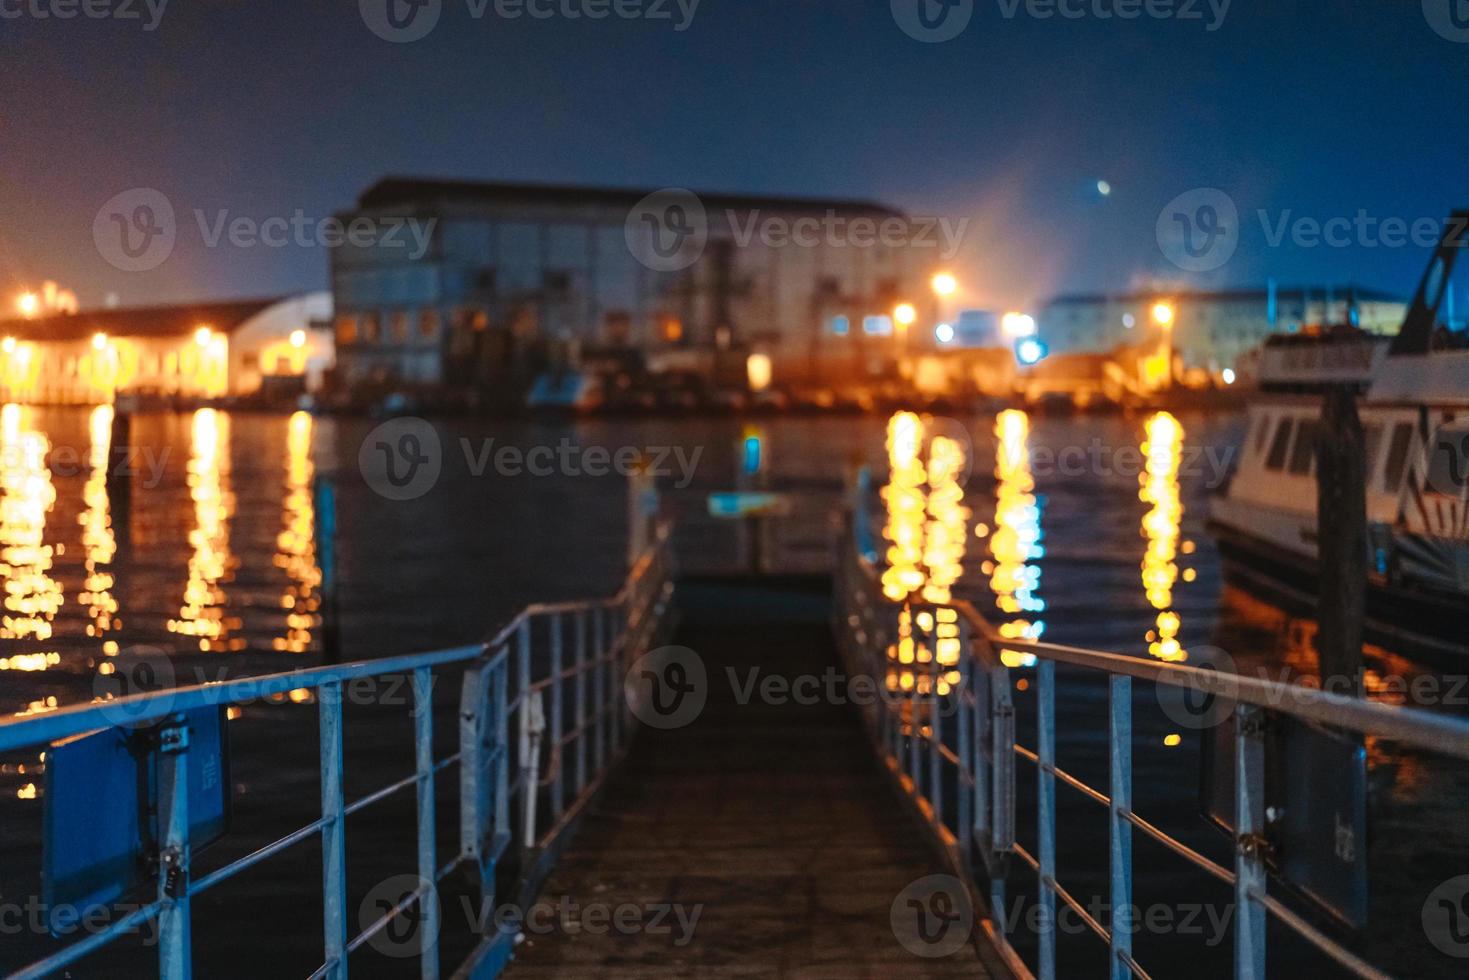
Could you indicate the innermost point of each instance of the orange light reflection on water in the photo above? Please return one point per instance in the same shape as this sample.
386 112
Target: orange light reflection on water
296 544
1163 451
27 495
202 615
1016 540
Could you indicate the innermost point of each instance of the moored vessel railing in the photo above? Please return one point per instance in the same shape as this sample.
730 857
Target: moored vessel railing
949 740
552 676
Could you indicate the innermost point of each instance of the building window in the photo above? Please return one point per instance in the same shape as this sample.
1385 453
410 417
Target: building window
1280 445
369 328
346 330
399 327
428 324
672 329
877 326
841 326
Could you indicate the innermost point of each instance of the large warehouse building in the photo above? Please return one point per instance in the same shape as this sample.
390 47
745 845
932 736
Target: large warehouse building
808 286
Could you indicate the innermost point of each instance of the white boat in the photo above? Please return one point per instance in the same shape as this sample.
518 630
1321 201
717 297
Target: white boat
1414 408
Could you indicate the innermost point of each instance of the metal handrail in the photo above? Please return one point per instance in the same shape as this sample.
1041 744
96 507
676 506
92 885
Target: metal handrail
979 830
609 633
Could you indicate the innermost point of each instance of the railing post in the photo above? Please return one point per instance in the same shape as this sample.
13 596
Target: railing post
965 748
601 708
601 653
333 834
1045 676
423 744
175 939
600 688
1249 861
474 796
582 724
528 786
1120 719
558 787
935 727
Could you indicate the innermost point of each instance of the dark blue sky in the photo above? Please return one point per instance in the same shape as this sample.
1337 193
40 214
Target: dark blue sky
264 107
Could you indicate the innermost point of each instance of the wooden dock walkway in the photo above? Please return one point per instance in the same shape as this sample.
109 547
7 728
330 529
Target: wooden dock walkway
773 820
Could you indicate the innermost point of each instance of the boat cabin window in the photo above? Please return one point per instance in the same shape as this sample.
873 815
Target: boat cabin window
1262 430
1303 454
1447 470
1397 456
1280 445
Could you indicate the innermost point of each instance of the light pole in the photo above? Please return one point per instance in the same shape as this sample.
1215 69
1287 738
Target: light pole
1164 315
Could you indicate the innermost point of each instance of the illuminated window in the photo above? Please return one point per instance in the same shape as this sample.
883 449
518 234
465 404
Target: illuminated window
841 326
369 328
346 329
877 326
428 324
672 329
399 327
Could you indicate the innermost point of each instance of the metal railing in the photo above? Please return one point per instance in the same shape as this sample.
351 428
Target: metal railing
552 677
955 753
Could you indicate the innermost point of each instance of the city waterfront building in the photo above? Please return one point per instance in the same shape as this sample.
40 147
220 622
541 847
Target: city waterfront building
1210 331
191 351
804 286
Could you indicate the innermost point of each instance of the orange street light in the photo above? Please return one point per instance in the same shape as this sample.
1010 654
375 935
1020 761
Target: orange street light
944 284
1163 314
905 314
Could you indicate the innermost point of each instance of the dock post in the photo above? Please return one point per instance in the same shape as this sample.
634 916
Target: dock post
642 507
119 481
1341 540
324 509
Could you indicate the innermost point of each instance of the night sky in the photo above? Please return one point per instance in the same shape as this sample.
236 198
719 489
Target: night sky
1319 109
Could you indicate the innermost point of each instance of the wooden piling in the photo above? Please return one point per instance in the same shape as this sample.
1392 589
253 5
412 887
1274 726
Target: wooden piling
1341 531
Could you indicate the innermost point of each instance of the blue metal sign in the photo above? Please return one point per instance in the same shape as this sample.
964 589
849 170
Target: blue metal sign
101 810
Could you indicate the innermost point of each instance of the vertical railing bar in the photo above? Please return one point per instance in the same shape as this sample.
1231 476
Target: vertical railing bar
1046 813
1120 829
333 833
423 744
963 735
175 925
553 747
935 725
1249 861
600 689
528 784
580 653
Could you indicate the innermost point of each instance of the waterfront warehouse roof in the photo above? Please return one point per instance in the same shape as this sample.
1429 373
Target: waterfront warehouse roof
142 321
1338 293
397 192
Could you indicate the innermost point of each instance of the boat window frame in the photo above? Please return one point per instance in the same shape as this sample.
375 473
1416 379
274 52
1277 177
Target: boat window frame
1395 468
1302 461
1372 433
1431 482
1280 443
1260 438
